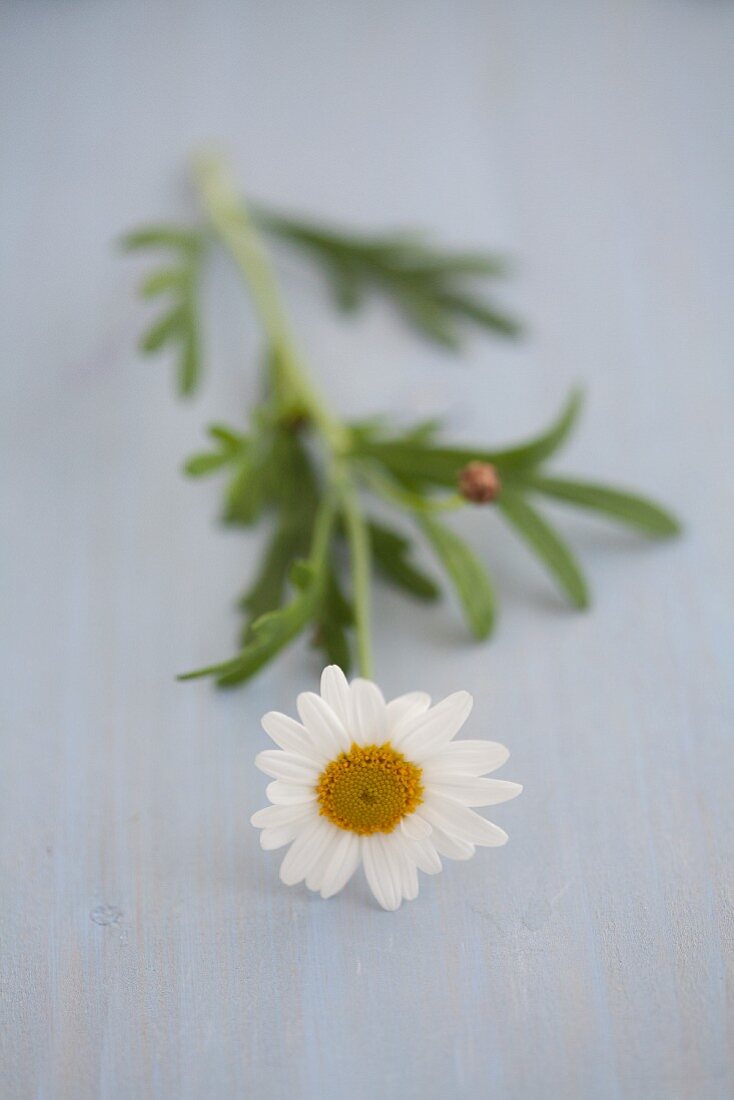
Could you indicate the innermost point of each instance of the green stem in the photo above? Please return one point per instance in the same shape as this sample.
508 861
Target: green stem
360 552
230 218
228 213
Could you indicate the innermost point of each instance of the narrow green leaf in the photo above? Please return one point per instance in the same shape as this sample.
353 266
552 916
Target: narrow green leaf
166 236
481 313
453 264
466 572
547 544
159 282
425 316
617 504
424 431
228 437
267 591
244 498
272 632
189 363
167 328
345 284
540 448
335 615
207 462
391 553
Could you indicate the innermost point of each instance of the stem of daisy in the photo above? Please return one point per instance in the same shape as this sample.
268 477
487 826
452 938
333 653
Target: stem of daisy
229 216
359 546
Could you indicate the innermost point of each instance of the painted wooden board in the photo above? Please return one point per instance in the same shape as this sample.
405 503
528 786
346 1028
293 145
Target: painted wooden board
148 949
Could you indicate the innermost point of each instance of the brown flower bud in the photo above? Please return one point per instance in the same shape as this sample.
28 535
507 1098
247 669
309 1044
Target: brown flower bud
479 482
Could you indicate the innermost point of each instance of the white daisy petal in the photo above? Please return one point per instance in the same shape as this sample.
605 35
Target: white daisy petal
472 757
335 691
291 736
391 857
405 707
368 722
427 733
459 821
407 865
379 872
273 816
315 877
270 839
325 729
471 791
289 794
342 864
425 855
451 846
414 827
286 765
304 851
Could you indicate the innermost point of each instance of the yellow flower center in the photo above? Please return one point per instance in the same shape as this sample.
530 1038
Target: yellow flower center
369 789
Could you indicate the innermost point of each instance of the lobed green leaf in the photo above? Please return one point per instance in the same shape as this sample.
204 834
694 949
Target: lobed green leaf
424 463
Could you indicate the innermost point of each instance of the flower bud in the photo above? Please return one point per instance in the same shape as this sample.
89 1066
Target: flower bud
479 482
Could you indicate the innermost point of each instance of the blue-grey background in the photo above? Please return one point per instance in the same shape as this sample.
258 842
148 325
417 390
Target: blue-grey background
148 949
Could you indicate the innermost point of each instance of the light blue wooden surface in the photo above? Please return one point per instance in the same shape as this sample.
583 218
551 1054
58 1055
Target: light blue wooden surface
148 949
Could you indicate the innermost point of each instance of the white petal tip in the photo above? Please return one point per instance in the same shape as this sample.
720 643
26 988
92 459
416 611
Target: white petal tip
261 762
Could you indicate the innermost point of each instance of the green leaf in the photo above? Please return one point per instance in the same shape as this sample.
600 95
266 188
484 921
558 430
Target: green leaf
207 462
391 553
245 497
295 492
424 431
272 632
164 236
180 323
231 446
467 574
159 282
540 448
229 438
624 507
335 615
548 546
458 264
426 464
482 314
167 328
346 285
266 593
427 318
428 285
189 361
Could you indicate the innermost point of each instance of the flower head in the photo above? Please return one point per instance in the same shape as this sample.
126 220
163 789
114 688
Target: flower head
384 784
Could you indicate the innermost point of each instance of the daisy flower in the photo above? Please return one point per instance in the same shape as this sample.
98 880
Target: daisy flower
359 780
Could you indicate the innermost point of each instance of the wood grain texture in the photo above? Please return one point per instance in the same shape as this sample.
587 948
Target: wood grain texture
148 949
